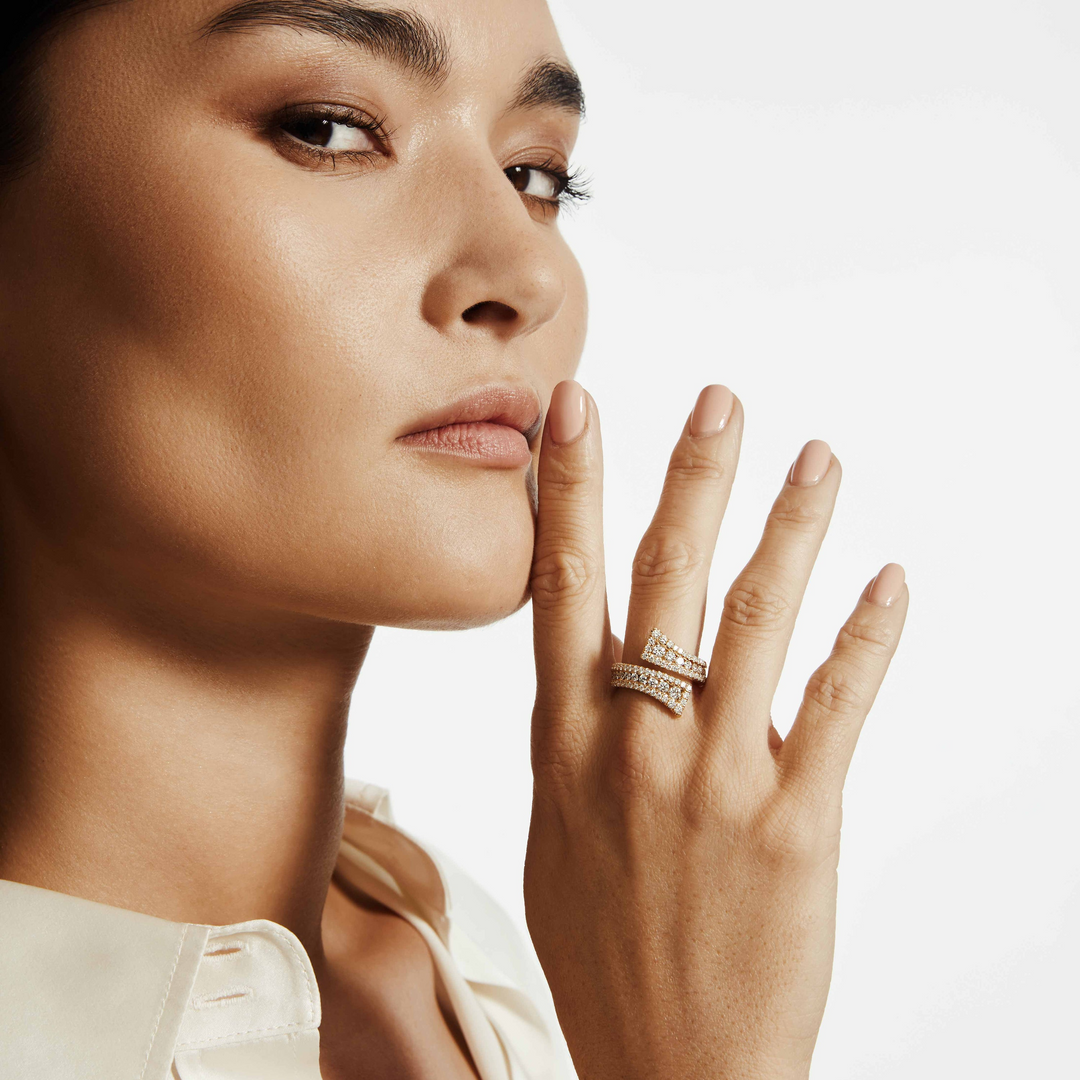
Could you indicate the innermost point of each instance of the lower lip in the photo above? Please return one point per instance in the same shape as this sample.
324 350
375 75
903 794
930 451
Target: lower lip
496 445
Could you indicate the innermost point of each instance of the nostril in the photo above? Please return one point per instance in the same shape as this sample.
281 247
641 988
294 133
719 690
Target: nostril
491 312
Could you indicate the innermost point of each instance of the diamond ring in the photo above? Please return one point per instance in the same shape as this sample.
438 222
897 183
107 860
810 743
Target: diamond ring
664 653
674 693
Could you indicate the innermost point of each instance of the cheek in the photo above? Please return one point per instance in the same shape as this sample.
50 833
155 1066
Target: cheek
223 411
561 359
212 362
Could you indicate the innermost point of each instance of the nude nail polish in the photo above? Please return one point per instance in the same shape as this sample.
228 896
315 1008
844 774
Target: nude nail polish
811 464
566 413
885 589
712 411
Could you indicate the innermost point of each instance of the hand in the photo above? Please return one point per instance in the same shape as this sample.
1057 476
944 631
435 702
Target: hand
680 878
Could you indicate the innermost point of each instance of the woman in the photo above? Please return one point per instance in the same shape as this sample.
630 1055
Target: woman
289 333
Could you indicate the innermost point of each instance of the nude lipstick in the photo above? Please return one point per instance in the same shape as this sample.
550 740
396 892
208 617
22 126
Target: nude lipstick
493 426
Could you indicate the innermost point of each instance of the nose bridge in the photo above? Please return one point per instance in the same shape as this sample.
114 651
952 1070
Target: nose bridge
496 268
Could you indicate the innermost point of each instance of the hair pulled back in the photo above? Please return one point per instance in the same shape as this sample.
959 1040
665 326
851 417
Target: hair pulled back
30 26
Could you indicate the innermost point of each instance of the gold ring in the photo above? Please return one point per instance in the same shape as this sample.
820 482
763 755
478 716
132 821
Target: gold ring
664 653
674 693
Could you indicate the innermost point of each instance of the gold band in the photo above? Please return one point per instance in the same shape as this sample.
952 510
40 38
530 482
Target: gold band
674 693
664 653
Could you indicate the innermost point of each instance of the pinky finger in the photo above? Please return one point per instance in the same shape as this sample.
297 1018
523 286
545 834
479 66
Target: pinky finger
819 747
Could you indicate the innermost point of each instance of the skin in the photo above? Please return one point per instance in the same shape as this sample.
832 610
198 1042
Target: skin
716 963
211 348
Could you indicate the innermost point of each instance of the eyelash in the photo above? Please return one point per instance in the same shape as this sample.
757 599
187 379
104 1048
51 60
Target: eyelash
571 183
572 188
337 114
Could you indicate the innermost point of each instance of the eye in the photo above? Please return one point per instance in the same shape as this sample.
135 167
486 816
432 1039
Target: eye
547 186
537 182
336 136
325 134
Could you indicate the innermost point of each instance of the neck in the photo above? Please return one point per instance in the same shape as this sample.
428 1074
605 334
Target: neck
186 766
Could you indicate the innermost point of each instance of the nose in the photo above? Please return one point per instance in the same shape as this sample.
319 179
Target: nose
500 271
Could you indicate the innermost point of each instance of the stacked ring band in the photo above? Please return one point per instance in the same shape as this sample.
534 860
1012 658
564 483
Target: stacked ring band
664 653
674 693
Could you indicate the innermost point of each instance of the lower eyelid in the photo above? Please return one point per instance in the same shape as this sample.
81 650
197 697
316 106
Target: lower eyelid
293 148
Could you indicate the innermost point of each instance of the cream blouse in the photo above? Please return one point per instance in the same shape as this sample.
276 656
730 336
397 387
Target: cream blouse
95 992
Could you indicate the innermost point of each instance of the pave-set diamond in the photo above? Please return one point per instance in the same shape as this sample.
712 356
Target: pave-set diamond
664 653
674 693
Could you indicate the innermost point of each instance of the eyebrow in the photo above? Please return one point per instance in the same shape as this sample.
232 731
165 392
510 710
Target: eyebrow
404 37
550 83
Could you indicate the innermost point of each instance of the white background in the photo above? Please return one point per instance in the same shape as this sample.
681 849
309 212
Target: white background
865 219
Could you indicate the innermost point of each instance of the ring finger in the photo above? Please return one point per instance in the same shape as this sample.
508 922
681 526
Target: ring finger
761 606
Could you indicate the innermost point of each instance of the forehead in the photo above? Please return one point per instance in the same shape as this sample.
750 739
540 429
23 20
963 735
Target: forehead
506 48
469 34
481 29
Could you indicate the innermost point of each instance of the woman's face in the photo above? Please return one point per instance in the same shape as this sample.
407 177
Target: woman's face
248 263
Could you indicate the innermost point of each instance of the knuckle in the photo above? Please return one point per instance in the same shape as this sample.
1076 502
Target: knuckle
793 510
559 577
565 482
755 605
833 690
665 555
867 637
564 478
689 464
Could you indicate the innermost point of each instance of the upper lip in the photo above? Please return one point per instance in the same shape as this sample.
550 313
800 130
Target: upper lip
515 405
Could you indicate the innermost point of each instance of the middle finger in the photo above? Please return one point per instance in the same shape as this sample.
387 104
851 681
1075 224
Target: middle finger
671 567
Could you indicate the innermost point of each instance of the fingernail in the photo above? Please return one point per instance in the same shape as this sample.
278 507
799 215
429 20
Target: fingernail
885 589
566 413
711 411
811 464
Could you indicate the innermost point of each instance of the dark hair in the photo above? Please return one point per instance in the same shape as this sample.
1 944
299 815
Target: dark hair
30 26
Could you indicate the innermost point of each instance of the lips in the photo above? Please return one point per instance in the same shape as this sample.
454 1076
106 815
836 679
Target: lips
493 425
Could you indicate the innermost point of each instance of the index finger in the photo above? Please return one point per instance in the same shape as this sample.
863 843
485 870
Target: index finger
571 634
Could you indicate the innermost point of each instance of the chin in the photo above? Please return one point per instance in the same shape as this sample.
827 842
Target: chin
471 585
462 598
466 617
465 561
462 613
